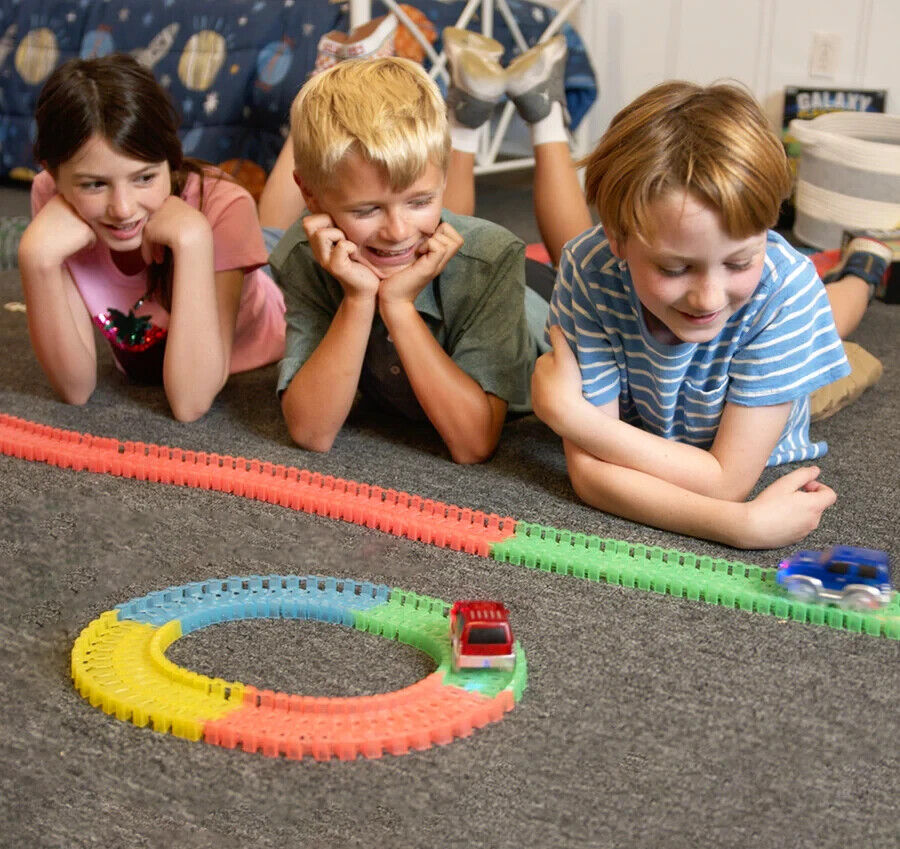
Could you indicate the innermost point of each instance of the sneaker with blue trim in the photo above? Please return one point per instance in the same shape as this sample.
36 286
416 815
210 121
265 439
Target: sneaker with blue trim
862 257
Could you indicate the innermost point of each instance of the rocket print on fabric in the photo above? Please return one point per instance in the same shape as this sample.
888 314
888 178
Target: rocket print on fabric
159 46
7 41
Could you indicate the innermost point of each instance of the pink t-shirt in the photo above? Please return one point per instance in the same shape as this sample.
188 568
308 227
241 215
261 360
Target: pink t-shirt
138 341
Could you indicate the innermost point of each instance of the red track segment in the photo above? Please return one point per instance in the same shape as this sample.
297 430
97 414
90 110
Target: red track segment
388 510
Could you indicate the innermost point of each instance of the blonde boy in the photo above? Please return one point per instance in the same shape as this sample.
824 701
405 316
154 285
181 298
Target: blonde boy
386 292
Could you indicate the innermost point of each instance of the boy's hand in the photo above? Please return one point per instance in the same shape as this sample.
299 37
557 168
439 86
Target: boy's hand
435 253
556 382
786 510
58 232
173 225
336 254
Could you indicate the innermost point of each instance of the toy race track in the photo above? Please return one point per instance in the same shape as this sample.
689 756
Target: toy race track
732 584
119 665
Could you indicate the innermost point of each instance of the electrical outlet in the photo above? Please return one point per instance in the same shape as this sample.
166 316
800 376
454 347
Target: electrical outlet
824 54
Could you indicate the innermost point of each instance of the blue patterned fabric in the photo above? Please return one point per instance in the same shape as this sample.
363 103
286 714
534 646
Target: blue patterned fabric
232 67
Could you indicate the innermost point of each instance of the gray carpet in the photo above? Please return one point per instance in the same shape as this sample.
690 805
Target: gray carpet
648 721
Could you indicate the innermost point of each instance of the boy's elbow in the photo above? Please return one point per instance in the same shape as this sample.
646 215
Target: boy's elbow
589 479
320 443
582 470
470 456
476 449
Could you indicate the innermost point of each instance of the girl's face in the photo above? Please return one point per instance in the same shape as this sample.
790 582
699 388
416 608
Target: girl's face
113 193
693 277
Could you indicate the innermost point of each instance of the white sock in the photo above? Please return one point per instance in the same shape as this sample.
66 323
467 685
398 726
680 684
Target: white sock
550 129
464 139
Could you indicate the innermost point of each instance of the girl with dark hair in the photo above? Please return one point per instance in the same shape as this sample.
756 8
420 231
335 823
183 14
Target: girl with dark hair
164 254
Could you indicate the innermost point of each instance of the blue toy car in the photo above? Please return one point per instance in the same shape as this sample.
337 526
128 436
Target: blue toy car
855 578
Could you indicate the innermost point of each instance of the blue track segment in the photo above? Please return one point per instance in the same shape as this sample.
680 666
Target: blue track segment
203 603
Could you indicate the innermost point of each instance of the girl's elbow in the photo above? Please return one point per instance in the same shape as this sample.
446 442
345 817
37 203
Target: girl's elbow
77 397
188 412
76 394
189 407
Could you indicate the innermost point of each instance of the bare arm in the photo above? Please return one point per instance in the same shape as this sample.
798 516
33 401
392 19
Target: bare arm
320 395
678 487
58 321
468 419
728 470
204 308
784 513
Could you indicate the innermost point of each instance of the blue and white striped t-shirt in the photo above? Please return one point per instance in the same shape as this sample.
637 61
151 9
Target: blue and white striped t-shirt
780 346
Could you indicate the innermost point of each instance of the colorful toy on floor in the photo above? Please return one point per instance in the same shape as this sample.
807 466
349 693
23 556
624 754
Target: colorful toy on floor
480 636
119 664
854 578
678 573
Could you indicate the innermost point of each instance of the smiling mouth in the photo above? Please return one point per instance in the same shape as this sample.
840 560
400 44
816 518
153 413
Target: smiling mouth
124 231
703 318
391 254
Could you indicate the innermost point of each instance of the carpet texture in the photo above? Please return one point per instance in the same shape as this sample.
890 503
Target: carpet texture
648 721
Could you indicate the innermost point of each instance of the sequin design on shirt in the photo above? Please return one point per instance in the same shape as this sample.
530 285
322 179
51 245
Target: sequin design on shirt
137 343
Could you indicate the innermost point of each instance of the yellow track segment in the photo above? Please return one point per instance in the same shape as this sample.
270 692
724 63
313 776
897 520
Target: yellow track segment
120 667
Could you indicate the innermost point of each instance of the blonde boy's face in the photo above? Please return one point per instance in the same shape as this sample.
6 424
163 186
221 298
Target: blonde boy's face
389 228
693 276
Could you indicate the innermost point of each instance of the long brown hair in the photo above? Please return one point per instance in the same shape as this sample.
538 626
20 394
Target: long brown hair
116 97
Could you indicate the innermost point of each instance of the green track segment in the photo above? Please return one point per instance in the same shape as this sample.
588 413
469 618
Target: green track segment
681 574
422 622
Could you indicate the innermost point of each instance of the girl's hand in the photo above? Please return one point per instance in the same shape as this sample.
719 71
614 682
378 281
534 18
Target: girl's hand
173 225
786 510
336 254
56 233
556 382
435 253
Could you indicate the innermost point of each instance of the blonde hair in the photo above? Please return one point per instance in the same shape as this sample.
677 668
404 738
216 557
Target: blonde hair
389 111
712 141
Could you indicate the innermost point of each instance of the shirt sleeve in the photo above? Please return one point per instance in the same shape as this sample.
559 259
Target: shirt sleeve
237 235
576 306
310 304
793 346
493 344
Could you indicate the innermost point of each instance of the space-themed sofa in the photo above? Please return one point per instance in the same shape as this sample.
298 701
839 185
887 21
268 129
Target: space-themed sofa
231 66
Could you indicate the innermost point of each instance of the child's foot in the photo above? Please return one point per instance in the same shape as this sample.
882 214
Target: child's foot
456 39
477 82
866 370
371 40
536 80
11 230
862 257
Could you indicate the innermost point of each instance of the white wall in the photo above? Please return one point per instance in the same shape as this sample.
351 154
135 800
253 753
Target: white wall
765 44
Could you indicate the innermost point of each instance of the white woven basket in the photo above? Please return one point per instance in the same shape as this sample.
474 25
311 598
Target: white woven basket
848 175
